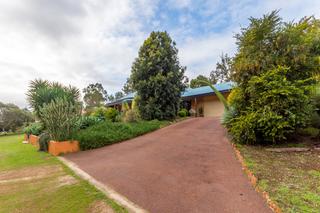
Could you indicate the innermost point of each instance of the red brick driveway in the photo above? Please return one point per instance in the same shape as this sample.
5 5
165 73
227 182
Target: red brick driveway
186 167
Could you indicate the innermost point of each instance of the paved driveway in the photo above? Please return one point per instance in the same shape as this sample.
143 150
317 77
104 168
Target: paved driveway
186 167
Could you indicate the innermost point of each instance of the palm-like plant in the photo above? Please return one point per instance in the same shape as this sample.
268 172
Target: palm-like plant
217 92
44 92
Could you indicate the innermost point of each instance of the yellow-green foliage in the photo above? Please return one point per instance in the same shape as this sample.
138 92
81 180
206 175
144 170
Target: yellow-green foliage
103 113
125 107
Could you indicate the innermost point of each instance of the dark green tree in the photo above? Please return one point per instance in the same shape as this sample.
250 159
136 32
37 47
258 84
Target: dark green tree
127 87
200 81
268 42
274 68
94 95
12 117
111 98
223 71
158 77
118 95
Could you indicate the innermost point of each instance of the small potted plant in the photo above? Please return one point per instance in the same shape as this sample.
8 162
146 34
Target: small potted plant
61 120
32 133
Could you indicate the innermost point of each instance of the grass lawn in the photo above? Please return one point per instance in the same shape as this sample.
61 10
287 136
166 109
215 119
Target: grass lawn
32 181
292 179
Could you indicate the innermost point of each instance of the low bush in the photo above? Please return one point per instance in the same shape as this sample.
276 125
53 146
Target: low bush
276 109
33 128
111 114
99 113
228 115
44 139
183 113
103 113
86 121
106 133
119 117
310 131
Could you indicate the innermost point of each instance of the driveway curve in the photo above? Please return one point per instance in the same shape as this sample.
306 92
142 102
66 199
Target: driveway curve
186 167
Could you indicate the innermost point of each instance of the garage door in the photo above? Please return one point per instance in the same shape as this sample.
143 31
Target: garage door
212 107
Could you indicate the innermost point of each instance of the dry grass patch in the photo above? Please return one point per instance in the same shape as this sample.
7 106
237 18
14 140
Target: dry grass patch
100 207
292 179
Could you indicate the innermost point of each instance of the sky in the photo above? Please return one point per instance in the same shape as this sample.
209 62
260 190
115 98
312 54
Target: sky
79 42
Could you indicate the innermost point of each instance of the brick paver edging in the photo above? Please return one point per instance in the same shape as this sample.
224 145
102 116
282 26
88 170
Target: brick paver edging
253 180
108 191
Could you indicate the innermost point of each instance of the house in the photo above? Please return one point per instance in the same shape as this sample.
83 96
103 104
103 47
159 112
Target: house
202 100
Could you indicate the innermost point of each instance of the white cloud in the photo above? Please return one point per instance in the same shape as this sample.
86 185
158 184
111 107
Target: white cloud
86 41
73 42
201 54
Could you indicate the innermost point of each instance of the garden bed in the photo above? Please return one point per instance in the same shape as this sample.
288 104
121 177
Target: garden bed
292 179
62 147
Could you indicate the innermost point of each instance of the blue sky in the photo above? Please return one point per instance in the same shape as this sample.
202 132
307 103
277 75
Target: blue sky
88 41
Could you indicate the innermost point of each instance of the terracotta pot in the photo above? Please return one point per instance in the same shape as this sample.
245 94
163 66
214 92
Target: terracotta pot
26 138
34 140
63 147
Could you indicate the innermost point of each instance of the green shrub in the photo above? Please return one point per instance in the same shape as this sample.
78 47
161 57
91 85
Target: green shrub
277 107
86 121
103 113
119 117
243 128
111 114
228 115
315 120
106 133
99 113
61 119
44 139
310 131
183 113
33 128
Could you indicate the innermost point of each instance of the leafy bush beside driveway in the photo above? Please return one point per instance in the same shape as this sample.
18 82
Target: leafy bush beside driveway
107 133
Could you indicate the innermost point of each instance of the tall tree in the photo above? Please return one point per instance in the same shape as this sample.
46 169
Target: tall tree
269 42
158 77
118 95
274 69
200 81
127 87
94 95
111 98
12 117
223 71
